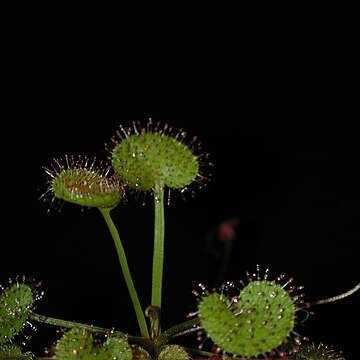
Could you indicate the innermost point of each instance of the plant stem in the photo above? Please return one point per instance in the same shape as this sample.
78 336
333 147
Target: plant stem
185 327
158 257
200 353
146 343
71 324
125 269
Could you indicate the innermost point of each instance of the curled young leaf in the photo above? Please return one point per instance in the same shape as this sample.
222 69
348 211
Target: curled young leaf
16 301
78 181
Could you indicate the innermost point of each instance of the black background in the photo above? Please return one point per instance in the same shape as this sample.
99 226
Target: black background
275 106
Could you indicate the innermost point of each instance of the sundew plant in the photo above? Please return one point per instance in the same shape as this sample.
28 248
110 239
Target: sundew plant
252 318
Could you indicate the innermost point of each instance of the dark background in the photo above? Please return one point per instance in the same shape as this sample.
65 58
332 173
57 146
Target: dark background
276 108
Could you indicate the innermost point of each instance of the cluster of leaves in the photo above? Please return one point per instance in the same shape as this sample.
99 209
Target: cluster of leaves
16 306
257 319
16 301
